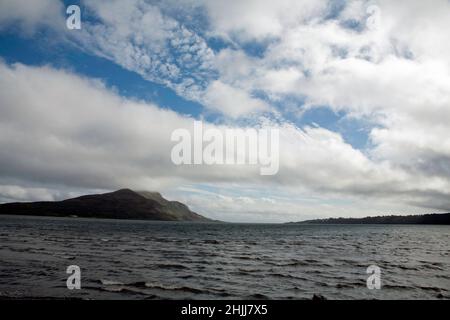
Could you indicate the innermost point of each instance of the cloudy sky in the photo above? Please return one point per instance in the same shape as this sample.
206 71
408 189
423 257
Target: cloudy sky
360 91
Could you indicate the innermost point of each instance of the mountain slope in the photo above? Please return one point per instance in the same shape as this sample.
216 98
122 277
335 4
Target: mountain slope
121 204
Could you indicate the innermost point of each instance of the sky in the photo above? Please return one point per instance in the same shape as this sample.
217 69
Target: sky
359 91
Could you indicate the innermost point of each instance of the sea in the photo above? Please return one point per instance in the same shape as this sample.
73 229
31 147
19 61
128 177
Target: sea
122 259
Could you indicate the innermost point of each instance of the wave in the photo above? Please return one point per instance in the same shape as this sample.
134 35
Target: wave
171 266
131 286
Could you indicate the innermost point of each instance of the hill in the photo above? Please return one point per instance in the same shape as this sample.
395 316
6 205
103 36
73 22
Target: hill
121 204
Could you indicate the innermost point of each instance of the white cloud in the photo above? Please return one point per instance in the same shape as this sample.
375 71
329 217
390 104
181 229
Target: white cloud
31 14
259 19
136 35
396 76
233 102
17 193
281 204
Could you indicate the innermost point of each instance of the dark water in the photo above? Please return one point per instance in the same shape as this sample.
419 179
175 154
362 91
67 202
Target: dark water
154 260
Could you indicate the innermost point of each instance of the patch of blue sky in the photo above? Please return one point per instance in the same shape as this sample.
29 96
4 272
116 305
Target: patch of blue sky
256 48
354 131
39 50
217 43
353 24
335 7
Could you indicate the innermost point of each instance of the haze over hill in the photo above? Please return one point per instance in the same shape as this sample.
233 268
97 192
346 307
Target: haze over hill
121 204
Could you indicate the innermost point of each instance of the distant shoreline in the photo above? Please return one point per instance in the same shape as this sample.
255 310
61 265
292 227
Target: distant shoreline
425 219
318 222
111 219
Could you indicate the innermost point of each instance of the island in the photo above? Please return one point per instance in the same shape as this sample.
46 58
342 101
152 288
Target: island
120 204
